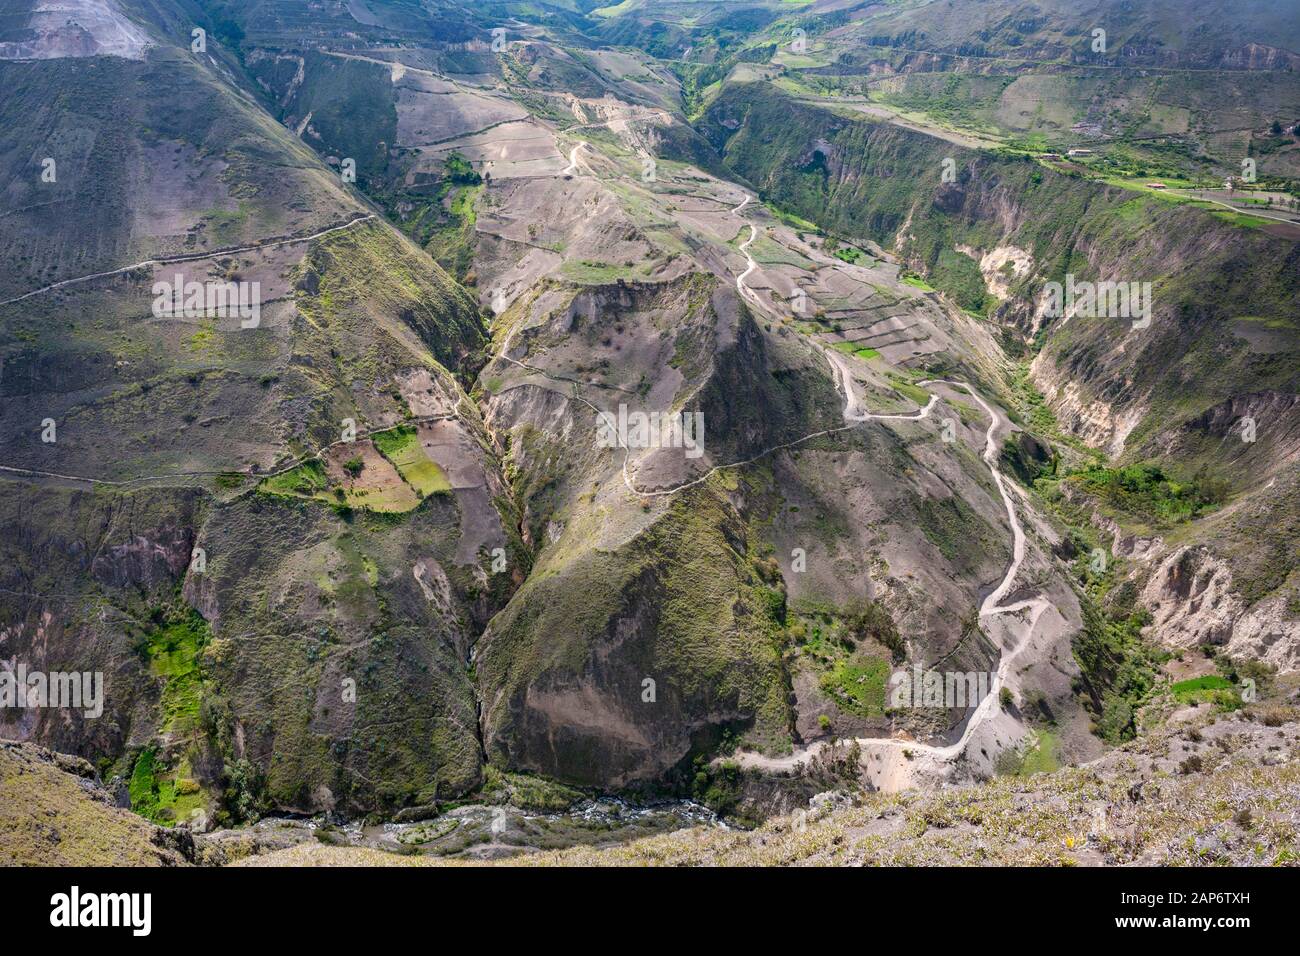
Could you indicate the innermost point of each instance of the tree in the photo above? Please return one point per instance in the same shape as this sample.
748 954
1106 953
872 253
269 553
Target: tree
1276 129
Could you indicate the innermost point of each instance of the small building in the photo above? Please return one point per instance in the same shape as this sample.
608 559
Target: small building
1051 156
1155 186
1079 152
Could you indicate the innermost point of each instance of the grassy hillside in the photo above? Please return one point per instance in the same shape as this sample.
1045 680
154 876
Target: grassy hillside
302 663
53 813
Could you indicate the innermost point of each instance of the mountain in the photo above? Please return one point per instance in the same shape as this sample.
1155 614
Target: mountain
417 413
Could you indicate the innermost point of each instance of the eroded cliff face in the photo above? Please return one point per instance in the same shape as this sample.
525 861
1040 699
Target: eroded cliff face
1221 295
1227 579
1114 380
1092 411
1193 602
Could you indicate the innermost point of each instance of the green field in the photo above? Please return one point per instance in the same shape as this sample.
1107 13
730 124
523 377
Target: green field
858 688
848 348
173 652
401 446
1201 688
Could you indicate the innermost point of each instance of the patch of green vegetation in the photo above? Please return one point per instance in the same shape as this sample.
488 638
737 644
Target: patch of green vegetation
460 171
1033 412
1148 493
174 651
307 480
1226 690
203 339
143 787
848 348
844 644
401 446
869 620
916 282
858 686
528 791
1117 669
1186 690
790 219
1028 458
1039 754
462 205
718 786
623 6
959 276
917 394
161 795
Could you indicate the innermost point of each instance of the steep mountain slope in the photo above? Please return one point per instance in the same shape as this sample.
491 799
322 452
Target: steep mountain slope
54 813
1218 355
327 666
611 274
1193 795
412 527
1256 34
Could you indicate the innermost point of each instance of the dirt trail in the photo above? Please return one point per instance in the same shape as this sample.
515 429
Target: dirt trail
990 606
855 412
192 257
572 168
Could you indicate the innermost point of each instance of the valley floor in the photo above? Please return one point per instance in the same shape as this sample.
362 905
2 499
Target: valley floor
1201 790
1204 792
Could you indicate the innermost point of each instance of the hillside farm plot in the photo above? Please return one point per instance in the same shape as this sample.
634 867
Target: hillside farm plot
510 150
364 478
401 446
388 472
428 113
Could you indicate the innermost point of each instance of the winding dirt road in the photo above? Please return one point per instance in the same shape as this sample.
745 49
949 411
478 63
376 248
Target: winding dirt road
572 168
855 412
